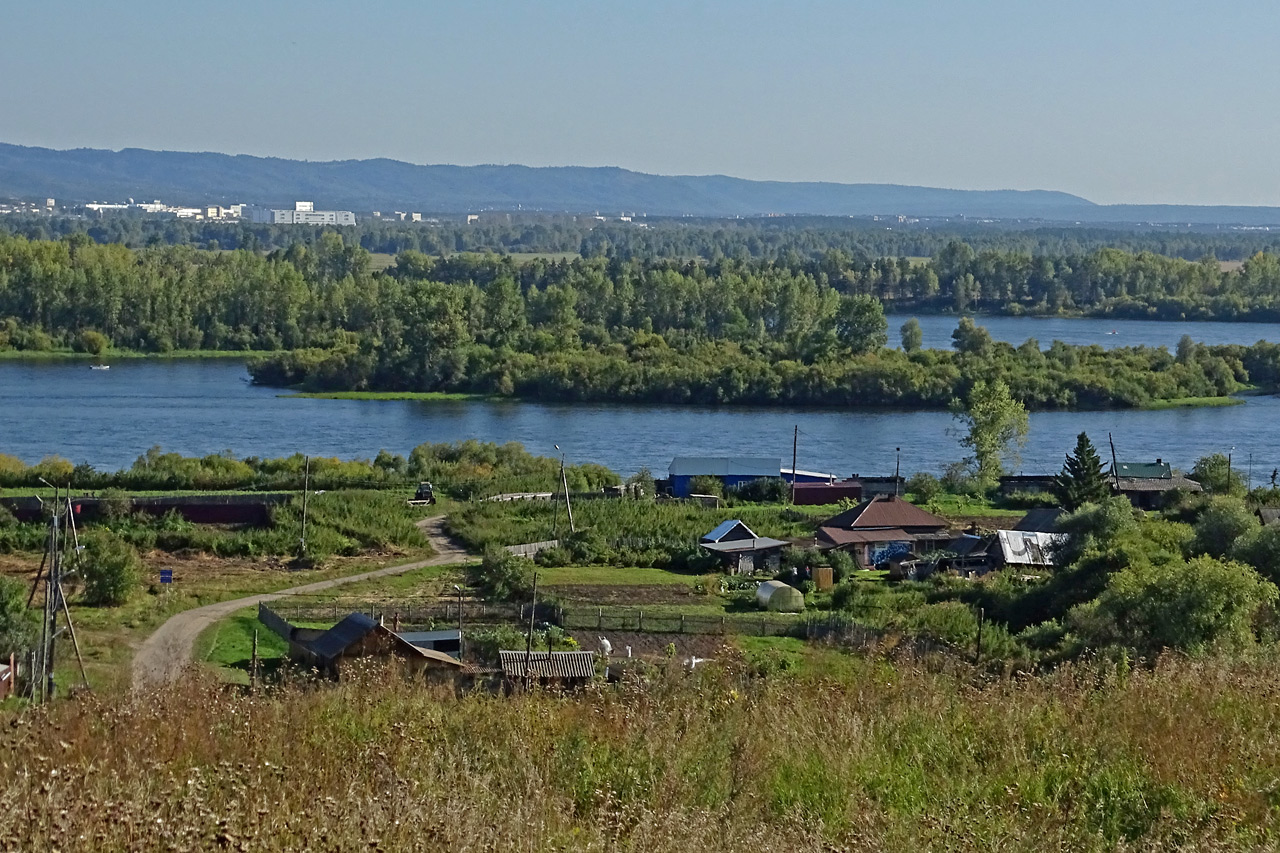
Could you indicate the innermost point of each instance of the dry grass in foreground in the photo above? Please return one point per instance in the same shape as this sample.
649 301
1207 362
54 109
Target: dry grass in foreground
1183 756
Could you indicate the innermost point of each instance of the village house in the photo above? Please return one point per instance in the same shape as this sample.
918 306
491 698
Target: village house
741 550
883 529
1146 484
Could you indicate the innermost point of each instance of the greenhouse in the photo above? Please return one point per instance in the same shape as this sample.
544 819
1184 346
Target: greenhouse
779 597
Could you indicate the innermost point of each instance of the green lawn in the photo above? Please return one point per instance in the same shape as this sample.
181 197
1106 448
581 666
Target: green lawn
228 645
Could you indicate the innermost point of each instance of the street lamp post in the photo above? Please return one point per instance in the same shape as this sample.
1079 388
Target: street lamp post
1229 452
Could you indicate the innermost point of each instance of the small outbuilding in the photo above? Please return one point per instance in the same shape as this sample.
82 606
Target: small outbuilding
779 597
741 550
564 670
359 636
1028 548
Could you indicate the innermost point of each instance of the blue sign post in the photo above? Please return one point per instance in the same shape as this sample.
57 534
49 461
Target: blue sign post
166 576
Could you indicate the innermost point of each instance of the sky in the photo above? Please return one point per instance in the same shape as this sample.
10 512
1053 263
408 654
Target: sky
1137 102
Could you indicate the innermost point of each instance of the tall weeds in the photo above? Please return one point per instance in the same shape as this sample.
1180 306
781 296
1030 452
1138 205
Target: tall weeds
1182 755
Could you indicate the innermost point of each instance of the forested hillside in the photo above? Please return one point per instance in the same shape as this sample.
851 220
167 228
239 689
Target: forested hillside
806 332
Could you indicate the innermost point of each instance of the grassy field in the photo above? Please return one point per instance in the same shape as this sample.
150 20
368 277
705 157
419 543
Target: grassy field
1194 403
779 746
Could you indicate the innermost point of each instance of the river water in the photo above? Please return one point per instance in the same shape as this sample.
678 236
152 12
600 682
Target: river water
109 417
1087 331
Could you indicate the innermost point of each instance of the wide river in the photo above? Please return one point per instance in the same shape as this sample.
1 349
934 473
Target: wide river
109 417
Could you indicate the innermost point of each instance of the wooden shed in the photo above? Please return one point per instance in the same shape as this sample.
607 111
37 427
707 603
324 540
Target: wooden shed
359 636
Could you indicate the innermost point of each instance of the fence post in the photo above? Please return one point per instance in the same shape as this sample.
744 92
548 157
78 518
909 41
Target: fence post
681 623
721 624
599 618
640 620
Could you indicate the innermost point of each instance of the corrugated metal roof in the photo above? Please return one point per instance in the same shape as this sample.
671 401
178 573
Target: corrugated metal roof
1039 520
1157 484
548 664
800 472
337 639
724 528
759 543
1144 470
725 466
1028 548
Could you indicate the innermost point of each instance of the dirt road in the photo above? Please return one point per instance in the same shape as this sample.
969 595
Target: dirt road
164 654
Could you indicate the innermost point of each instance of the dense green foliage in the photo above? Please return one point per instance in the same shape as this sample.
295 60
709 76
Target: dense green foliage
18 623
786 332
109 568
463 469
709 239
1082 479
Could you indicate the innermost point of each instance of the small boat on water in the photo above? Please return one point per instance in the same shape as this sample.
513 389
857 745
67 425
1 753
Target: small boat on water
1113 332
99 367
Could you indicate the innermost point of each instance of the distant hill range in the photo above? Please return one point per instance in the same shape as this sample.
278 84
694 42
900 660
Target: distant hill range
87 174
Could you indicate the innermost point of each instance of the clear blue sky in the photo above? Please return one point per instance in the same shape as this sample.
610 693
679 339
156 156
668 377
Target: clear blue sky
1117 101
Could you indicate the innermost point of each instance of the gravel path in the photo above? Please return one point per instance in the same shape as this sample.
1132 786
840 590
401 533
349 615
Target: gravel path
166 653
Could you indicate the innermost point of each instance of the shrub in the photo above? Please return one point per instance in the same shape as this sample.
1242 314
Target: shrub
17 621
94 343
110 567
501 576
763 490
1191 606
705 484
1224 521
925 487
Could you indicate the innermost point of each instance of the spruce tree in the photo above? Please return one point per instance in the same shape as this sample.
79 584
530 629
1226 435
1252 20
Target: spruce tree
1082 480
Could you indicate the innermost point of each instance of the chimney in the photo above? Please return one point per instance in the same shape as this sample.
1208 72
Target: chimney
1159 461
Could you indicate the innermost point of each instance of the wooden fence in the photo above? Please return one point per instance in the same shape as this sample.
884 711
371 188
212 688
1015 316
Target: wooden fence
531 549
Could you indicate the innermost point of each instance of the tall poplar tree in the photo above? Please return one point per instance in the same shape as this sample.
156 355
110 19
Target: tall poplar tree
1082 480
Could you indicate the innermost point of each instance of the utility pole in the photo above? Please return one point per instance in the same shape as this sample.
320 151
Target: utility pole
61 518
897 471
306 488
1229 452
564 484
1115 468
528 641
795 446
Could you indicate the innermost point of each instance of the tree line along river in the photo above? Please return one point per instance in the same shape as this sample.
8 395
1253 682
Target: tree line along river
109 417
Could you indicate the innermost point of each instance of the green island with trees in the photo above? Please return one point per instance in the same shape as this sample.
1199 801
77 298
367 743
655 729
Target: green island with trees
725 332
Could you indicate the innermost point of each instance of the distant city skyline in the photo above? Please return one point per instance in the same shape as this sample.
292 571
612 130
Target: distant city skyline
1121 102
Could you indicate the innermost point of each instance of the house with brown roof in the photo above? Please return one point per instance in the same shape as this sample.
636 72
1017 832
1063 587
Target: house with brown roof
883 528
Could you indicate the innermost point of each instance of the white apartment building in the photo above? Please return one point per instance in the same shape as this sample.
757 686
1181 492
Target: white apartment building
303 213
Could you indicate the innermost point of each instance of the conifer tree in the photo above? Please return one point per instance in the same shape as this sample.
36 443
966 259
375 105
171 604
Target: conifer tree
1082 480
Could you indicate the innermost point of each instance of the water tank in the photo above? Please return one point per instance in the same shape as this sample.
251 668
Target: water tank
779 597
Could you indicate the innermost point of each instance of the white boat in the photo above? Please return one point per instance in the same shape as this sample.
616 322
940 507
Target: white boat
99 367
